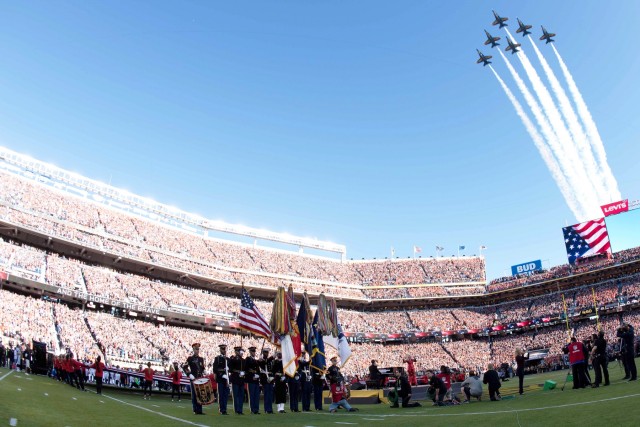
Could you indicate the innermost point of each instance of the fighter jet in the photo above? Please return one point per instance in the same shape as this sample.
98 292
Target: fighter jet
512 46
491 39
547 35
523 28
499 20
483 58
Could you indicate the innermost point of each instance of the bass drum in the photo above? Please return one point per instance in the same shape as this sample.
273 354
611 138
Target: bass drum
203 390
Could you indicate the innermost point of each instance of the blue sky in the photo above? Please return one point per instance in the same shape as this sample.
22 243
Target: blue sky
363 123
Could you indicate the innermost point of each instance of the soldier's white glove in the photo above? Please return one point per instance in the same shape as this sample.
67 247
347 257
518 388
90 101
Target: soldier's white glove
269 380
241 374
282 379
191 377
296 378
226 377
323 377
256 376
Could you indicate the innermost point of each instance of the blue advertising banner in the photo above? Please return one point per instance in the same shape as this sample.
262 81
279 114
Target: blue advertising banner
526 268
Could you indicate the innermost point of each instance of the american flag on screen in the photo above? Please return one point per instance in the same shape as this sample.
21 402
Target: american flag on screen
251 319
586 239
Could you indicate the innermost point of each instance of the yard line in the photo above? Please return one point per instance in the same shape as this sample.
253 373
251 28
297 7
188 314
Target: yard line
13 422
156 412
6 375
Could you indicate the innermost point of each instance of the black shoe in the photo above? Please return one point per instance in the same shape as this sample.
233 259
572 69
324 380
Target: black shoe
626 378
633 379
606 384
268 412
256 413
353 410
395 406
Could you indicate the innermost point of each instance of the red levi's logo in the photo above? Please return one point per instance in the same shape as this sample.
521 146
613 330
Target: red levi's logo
615 207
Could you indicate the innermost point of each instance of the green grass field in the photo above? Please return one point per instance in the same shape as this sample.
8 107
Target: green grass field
38 401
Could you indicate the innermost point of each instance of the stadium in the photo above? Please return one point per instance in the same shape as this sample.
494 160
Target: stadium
108 274
118 309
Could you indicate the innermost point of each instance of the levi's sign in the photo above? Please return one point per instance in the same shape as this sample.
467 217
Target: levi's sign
527 268
615 207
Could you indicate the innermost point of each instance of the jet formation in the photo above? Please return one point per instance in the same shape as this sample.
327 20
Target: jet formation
511 45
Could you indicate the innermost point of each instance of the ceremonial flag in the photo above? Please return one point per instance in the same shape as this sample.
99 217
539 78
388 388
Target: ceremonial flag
305 326
417 249
281 326
586 239
461 248
341 344
251 319
318 361
294 332
439 248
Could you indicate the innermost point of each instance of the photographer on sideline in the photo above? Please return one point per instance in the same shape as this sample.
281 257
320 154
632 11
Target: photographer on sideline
599 359
626 333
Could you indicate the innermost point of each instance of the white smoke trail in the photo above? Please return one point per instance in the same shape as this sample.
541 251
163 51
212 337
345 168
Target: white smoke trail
592 131
544 151
575 128
575 171
548 134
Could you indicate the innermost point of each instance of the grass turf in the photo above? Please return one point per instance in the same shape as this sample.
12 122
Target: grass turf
40 401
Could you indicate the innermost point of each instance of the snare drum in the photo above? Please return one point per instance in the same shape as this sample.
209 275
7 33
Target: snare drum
203 390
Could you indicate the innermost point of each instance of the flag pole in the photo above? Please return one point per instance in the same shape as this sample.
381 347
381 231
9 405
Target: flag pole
595 306
566 318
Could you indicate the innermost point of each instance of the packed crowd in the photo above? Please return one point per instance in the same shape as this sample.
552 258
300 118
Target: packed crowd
106 282
98 226
564 270
129 342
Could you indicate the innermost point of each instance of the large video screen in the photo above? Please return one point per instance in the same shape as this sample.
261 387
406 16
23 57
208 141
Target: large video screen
624 230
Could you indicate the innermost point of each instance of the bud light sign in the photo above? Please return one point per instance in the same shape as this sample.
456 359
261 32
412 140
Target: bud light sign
527 268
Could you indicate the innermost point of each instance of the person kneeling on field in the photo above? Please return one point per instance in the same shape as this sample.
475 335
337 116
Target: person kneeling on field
403 391
338 397
472 387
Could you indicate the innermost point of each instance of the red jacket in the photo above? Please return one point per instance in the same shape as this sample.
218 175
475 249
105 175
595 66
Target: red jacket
176 376
576 352
148 374
446 379
337 392
99 367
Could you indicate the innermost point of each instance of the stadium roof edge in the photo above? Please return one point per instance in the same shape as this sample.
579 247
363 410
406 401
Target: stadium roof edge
48 170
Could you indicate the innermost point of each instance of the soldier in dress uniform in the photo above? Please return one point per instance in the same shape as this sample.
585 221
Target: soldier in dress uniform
317 380
333 373
304 370
253 381
280 383
194 368
238 368
294 391
266 379
221 369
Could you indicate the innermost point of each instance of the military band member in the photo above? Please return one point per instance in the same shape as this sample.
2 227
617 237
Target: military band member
238 368
194 368
280 380
253 381
221 369
304 370
266 379
333 373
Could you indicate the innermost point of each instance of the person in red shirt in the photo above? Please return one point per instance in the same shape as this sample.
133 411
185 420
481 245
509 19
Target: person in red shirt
148 381
99 367
575 349
411 370
78 369
339 397
176 376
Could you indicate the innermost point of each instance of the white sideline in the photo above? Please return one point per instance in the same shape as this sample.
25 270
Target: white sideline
424 414
156 412
6 375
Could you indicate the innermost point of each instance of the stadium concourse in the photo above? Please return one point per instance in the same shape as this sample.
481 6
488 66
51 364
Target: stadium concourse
136 285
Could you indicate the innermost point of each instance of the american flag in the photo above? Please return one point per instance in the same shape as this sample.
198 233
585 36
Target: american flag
251 319
586 239
417 249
